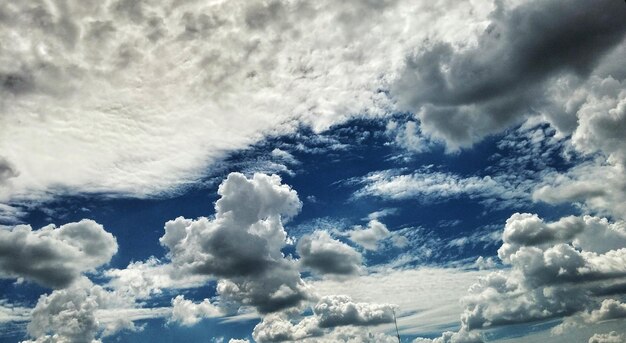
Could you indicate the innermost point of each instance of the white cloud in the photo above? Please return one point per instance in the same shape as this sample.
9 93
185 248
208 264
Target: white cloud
588 233
12 312
485 263
340 310
408 136
369 236
428 186
611 337
557 269
68 314
141 280
140 99
598 184
278 328
85 312
335 319
609 309
461 336
188 313
54 257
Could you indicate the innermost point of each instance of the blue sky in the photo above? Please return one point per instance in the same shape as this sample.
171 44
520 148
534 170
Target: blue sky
285 171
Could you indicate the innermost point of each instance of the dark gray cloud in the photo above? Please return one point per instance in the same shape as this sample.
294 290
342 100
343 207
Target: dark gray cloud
325 255
462 94
54 257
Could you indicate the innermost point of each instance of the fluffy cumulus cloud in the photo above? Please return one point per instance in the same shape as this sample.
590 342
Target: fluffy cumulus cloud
74 314
341 310
279 328
335 319
610 309
587 233
462 336
242 245
54 256
188 313
327 256
611 337
556 269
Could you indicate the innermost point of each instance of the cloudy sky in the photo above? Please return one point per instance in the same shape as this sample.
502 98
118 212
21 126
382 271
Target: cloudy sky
234 171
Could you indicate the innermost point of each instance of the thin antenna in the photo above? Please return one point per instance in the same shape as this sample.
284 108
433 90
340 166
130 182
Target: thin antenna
396 322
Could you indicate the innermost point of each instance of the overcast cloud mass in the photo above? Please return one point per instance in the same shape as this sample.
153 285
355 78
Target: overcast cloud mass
312 171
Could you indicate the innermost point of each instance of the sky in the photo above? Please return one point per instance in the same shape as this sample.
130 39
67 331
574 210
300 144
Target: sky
312 171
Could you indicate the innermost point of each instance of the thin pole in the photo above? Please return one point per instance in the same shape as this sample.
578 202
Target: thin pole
396 322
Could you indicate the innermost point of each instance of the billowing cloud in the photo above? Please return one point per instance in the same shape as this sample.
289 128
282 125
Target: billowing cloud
587 232
71 315
556 269
341 310
242 244
278 328
598 184
461 94
327 256
188 313
331 321
462 336
54 257
610 309
611 337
